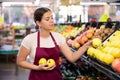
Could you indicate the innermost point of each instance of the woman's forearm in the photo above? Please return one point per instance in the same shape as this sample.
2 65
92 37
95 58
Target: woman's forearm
27 65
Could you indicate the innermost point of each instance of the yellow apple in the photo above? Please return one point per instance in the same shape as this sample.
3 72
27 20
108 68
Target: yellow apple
96 42
42 61
101 56
108 59
115 52
75 45
91 51
51 62
97 53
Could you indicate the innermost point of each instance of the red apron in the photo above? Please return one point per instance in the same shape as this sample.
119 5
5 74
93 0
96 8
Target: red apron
47 53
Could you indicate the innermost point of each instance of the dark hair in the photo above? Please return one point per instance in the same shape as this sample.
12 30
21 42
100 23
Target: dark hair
39 13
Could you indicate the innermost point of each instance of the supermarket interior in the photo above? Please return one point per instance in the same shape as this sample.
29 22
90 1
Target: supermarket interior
78 21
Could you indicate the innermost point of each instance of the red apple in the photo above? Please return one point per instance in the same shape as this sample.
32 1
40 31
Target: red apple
83 39
116 64
81 42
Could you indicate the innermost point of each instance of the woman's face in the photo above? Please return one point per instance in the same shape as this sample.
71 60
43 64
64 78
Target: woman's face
47 22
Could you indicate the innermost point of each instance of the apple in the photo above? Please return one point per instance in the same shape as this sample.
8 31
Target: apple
102 27
115 52
91 30
89 35
75 45
96 42
42 61
116 64
101 56
51 62
108 59
83 39
98 53
91 51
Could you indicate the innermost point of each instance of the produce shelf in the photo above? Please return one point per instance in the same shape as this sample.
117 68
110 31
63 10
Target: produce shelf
100 66
105 69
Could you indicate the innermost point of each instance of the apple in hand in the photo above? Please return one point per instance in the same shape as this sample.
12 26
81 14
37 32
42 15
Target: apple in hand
51 62
42 61
96 42
116 64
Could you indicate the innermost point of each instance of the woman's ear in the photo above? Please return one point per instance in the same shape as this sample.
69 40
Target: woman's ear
38 23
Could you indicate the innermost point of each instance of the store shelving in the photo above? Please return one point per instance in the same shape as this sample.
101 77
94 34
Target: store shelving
103 68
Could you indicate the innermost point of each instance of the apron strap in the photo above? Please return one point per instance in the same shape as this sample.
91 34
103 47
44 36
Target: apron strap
38 39
53 39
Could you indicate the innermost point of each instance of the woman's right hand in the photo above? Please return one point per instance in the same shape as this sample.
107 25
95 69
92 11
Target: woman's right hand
45 67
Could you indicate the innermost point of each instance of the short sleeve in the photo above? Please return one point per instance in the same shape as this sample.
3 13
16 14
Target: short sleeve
60 39
26 42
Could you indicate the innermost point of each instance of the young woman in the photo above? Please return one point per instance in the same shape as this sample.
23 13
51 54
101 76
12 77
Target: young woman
47 44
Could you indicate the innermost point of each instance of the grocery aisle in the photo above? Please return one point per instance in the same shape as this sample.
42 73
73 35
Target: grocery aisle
8 70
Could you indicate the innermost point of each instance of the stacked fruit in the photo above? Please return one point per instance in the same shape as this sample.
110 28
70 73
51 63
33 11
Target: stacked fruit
82 38
107 52
90 33
103 32
71 31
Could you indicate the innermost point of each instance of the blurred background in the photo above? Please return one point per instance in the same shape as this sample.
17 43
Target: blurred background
16 21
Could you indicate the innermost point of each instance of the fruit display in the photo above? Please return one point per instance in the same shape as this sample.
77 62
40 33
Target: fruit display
68 30
104 51
91 31
108 52
103 32
82 37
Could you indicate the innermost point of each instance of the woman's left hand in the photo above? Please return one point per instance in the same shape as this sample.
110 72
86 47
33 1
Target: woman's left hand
88 44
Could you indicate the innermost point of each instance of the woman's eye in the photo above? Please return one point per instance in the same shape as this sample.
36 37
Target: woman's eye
47 19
